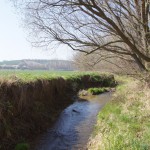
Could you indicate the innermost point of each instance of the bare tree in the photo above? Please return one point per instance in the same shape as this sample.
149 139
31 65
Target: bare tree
119 27
105 63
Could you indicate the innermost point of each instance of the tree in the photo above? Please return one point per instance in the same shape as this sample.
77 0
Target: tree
120 27
104 63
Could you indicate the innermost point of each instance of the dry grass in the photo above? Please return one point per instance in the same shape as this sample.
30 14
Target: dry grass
124 123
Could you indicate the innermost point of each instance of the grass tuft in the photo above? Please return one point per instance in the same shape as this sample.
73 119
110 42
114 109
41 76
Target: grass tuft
22 146
96 91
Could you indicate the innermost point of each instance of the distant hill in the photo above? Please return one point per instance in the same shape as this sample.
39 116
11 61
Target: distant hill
38 64
11 62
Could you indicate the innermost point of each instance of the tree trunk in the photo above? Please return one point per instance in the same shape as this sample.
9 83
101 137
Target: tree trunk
139 63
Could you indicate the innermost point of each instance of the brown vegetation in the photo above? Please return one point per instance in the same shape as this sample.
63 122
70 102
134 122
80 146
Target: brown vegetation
28 108
104 63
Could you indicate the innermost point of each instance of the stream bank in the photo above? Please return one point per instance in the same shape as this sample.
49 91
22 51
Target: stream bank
124 123
27 109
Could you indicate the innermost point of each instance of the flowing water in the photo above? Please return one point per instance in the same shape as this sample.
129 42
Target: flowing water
74 126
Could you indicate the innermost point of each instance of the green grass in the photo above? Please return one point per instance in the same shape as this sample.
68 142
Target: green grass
22 146
96 91
30 76
124 123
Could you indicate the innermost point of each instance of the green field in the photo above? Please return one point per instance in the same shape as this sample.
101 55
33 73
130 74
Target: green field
32 75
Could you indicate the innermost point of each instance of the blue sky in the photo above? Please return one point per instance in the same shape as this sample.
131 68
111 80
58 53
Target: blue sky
13 39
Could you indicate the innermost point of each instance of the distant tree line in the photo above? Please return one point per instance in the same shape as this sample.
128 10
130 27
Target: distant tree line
38 64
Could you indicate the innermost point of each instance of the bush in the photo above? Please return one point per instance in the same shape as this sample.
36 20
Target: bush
96 91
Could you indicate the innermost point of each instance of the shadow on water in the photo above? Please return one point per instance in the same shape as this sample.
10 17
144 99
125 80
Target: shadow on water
74 126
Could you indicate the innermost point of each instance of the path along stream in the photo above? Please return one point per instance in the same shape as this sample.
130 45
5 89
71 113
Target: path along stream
74 126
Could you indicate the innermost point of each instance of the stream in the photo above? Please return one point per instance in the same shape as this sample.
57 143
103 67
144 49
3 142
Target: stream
74 125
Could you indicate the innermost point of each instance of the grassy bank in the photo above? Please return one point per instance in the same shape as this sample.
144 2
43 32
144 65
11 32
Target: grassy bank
30 104
124 123
33 75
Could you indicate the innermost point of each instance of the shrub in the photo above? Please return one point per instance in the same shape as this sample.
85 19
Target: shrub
96 91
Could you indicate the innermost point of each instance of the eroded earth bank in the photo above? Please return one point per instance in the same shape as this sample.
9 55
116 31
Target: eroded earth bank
27 109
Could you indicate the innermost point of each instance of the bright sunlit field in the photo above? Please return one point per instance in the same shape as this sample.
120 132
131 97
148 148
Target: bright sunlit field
31 75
